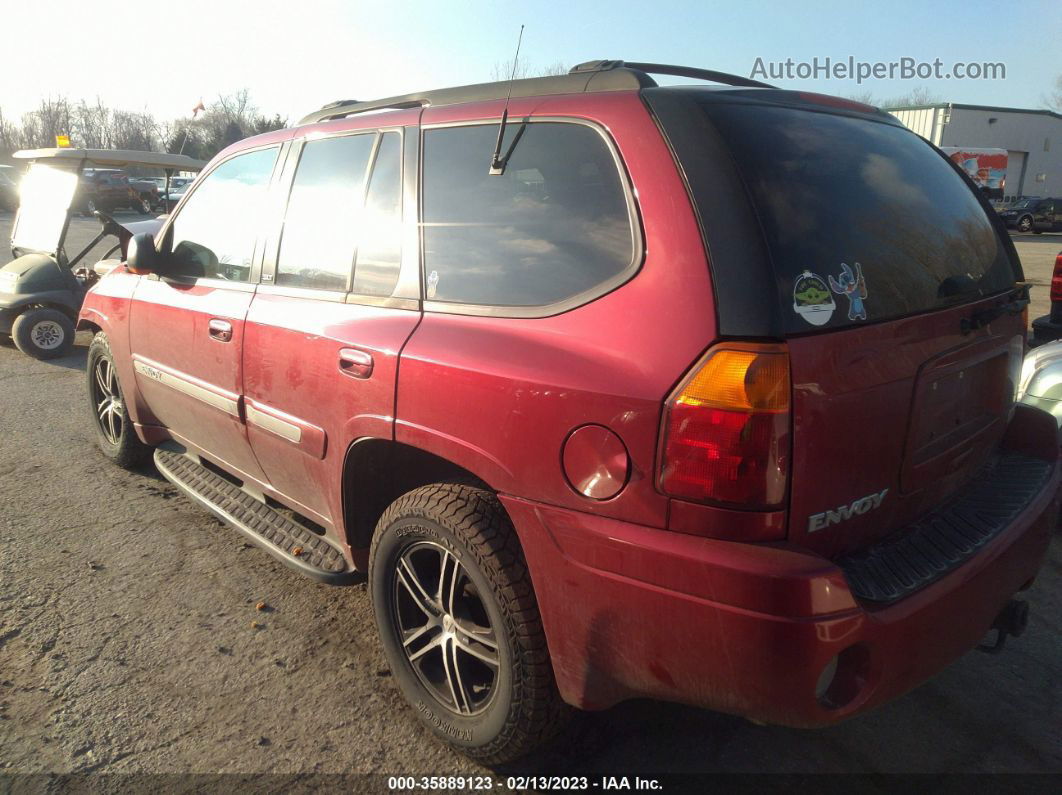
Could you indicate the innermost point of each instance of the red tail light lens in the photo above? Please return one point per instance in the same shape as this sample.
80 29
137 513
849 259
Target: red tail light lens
1056 280
725 436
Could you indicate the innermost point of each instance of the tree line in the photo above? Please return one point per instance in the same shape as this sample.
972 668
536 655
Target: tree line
96 126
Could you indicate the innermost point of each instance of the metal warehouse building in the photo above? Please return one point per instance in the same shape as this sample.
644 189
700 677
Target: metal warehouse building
1032 138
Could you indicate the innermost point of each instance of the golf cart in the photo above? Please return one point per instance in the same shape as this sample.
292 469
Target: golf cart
42 289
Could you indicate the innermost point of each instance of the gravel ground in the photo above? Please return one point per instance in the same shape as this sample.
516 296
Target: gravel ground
127 644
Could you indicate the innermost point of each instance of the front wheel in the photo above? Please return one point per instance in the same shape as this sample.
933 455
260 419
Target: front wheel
143 206
1025 223
459 622
115 435
43 333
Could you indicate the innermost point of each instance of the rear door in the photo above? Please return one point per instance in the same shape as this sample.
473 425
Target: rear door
187 328
326 327
885 273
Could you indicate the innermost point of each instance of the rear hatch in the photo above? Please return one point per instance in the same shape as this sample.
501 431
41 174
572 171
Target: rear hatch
867 251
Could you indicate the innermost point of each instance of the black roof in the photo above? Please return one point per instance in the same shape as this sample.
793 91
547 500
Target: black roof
591 76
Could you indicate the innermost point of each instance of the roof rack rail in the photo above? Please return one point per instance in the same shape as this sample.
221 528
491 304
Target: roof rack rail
668 69
586 77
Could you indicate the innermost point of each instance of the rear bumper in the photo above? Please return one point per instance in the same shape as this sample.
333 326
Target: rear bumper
631 611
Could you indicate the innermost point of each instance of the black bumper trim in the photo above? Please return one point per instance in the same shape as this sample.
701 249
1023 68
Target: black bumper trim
946 538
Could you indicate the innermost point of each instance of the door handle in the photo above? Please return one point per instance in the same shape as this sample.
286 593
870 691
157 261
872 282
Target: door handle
355 363
221 330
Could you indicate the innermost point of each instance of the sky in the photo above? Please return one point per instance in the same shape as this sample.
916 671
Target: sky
294 57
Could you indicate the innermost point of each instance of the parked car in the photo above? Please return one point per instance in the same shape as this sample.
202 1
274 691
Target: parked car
1041 379
108 190
614 390
178 186
147 190
1034 215
8 189
1048 328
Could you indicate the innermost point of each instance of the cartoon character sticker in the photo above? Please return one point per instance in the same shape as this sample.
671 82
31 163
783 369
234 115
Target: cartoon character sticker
855 287
812 299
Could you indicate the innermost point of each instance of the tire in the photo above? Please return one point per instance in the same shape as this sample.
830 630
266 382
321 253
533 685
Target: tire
43 333
1024 223
459 534
143 206
90 209
115 435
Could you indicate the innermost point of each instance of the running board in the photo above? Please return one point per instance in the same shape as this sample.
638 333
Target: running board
288 541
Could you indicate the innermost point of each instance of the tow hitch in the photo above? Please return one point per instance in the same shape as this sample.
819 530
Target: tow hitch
1011 621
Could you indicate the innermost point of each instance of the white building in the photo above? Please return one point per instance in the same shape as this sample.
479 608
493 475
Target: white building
1032 138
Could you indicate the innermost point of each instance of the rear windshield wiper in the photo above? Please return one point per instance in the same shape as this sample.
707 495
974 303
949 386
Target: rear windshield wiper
1018 300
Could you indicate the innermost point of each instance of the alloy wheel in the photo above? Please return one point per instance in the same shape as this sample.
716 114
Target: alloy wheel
107 399
444 628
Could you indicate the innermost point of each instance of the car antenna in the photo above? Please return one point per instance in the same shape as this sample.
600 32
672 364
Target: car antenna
497 162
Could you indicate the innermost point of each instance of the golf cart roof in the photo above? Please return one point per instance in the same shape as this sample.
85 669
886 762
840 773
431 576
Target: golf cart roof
114 157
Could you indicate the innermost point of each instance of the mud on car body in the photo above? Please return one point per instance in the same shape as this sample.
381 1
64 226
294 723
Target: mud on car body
700 394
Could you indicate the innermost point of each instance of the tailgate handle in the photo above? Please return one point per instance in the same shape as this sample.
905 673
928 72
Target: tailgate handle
355 363
221 330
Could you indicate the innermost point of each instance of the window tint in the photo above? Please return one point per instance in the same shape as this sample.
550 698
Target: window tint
214 234
321 224
860 206
380 246
555 225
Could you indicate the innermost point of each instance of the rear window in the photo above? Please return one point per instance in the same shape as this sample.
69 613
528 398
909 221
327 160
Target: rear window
863 220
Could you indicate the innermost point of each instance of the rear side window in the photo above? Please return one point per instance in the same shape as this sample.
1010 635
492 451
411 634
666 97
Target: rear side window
554 226
379 246
864 221
320 227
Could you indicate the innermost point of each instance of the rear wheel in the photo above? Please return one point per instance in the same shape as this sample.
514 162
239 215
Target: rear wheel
114 430
143 206
1025 223
459 622
43 333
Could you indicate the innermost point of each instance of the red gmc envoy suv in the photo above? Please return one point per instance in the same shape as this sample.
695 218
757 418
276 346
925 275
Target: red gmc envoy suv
612 389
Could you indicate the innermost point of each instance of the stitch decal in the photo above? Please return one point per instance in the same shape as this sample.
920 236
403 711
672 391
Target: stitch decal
812 299
855 287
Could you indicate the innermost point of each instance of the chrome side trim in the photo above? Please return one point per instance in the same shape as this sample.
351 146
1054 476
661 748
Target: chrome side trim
275 425
186 386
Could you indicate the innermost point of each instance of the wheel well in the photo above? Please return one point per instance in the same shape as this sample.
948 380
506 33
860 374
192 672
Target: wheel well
378 471
88 325
57 307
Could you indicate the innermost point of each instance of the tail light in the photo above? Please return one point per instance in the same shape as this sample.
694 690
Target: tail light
725 434
1056 280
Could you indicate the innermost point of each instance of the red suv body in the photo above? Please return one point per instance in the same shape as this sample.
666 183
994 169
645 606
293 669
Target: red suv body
748 410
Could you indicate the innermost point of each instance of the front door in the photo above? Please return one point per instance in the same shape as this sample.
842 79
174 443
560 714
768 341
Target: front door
322 342
187 326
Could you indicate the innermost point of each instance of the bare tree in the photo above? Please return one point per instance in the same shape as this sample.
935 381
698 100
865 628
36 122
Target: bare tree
921 95
501 72
1054 100
866 97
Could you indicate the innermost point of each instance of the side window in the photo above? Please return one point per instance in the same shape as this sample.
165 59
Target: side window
380 245
321 225
214 234
555 225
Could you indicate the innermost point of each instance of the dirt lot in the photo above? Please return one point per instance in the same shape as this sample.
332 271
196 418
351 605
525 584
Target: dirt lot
126 644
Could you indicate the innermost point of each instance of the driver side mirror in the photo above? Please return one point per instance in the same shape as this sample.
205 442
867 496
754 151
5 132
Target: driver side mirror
141 257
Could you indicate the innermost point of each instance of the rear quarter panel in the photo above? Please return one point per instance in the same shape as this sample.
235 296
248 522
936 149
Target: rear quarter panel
499 396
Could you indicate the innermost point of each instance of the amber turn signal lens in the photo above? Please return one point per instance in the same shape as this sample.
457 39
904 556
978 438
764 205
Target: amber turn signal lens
740 380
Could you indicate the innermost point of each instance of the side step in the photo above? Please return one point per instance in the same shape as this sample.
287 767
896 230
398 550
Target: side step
289 542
